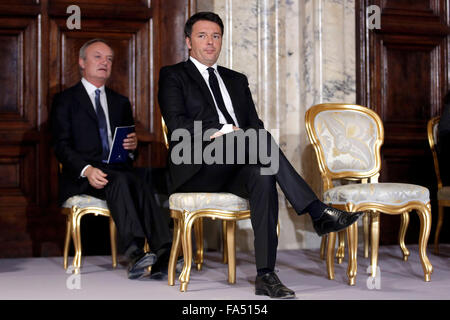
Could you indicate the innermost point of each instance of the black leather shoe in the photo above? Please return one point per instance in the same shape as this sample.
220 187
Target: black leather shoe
138 265
271 286
160 271
333 220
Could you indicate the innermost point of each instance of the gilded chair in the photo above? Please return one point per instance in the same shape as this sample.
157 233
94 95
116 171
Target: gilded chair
187 211
443 193
340 253
75 208
347 141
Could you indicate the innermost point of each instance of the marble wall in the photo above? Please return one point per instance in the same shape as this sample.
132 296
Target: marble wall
295 54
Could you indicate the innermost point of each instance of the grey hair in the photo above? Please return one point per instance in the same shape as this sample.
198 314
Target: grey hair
83 48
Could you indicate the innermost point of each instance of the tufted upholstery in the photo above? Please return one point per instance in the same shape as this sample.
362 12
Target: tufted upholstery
84 201
204 200
347 139
391 194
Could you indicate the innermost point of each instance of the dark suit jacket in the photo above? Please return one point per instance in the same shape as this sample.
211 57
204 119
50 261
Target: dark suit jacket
444 142
76 137
184 97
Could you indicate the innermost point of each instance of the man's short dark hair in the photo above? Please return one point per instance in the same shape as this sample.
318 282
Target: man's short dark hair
199 16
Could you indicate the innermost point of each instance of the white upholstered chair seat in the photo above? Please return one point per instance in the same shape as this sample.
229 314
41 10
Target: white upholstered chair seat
204 200
391 194
84 201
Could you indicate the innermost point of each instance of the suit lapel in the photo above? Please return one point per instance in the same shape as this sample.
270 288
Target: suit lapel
114 121
198 78
232 91
86 104
85 101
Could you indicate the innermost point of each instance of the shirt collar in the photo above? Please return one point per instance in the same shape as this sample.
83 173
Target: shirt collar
90 88
200 66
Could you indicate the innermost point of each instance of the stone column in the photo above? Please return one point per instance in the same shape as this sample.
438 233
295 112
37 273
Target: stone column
295 54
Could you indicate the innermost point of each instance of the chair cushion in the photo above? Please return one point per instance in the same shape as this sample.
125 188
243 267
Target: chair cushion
83 201
444 193
347 138
394 194
192 201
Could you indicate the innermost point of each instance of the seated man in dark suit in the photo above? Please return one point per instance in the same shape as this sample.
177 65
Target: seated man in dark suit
83 119
197 96
443 145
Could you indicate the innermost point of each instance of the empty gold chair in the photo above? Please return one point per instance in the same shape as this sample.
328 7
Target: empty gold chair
75 208
443 193
347 141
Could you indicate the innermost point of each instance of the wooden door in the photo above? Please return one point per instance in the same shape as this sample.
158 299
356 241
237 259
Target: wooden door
39 56
402 74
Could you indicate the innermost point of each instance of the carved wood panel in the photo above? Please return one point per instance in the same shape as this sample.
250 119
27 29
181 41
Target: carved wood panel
403 76
39 55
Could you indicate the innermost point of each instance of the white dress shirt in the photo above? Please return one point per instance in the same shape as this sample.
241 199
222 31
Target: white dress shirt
90 89
225 95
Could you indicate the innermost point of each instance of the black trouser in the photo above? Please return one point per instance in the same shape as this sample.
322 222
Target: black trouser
246 180
131 200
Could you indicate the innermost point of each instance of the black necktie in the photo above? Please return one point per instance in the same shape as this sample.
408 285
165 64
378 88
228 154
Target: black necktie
214 84
102 127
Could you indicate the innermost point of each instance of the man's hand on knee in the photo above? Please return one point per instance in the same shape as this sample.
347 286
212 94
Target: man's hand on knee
96 177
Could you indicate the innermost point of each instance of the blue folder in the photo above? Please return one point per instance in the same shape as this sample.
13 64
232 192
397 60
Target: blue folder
118 154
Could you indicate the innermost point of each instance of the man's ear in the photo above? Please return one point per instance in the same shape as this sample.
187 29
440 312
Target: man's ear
188 43
81 63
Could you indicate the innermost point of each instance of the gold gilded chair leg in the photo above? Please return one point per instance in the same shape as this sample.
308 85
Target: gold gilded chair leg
425 227
146 246
340 254
323 247
224 242
174 251
278 228
352 238
67 240
375 240
113 237
330 254
366 226
401 236
231 245
438 228
76 237
186 242
198 230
